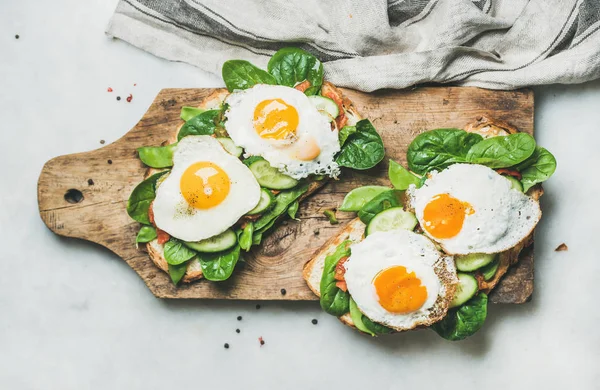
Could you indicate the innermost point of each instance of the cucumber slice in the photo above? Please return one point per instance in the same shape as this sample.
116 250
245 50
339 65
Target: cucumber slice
230 147
217 243
267 200
489 271
473 261
466 289
326 106
270 177
391 219
515 183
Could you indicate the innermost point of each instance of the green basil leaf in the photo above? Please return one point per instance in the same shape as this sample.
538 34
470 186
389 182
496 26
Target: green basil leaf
293 209
439 148
141 197
357 317
503 151
463 321
375 327
400 177
344 133
188 113
146 234
333 300
291 65
240 74
157 156
203 124
383 201
245 238
363 149
282 201
176 253
176 272
537 168
219 266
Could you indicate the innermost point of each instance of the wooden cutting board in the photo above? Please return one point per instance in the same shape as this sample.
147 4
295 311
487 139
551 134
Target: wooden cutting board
84 195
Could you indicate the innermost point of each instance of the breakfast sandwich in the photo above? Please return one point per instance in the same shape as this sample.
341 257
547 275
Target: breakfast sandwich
426 252
242 161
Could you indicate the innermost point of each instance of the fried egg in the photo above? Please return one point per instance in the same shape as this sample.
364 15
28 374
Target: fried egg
470 208
206 192
399 279
281 125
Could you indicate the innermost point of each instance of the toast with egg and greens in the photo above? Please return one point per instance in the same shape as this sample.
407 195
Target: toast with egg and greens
242 161
426 252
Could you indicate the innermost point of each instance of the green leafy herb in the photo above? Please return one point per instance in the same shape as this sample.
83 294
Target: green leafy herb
157 156
293 209
330 214
463 321
440 148
282 201
344 133
177 253
176 272
537 168
251 160
358 197
375 327
240 74
489 271
141 197
291 65
219 266
146 234
333 300
203 124
383 201
502 152
357 316
245 238
400 177
362 149
188 113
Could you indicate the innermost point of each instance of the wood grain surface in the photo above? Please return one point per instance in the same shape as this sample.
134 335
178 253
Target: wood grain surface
105 177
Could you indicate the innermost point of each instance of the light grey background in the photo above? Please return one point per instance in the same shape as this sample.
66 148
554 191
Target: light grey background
74 316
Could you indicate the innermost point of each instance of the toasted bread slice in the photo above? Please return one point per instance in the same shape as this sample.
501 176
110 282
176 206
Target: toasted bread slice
212 102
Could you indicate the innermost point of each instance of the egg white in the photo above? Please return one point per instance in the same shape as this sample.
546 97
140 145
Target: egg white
502 216
173 214
382 250
239 126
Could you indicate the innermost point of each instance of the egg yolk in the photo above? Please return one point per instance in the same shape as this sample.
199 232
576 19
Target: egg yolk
399 291
204 185
307 149
275 119
444 216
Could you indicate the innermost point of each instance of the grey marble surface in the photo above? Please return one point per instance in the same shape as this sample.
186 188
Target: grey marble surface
74 316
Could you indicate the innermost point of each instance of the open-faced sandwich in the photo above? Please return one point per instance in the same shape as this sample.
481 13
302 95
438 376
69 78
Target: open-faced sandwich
427 252
242 161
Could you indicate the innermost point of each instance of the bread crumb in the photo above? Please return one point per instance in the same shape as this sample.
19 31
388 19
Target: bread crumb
562 247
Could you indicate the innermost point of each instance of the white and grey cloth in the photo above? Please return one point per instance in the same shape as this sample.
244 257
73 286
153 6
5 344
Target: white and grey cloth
373 44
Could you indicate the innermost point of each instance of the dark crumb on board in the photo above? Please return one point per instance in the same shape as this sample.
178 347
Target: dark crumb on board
102 142
283 292
257 307
315 321
562 247
261 341
239 318
237 331
316 232
118 97
109 161
226 346
17 36
90 182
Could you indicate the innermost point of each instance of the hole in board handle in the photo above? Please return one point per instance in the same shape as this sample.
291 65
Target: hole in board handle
73 196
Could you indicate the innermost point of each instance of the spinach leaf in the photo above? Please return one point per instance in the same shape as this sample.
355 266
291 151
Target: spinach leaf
157 156
146 234
245 238
188 113
219 266
344 133
502 152
463 321
257 238
357 316
176 272
251 160
203 124
141 197
282 201
363 149
401 177
291 65
240 74
537 168
440 148
375 327
176 253
293 209
333 300
383 201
